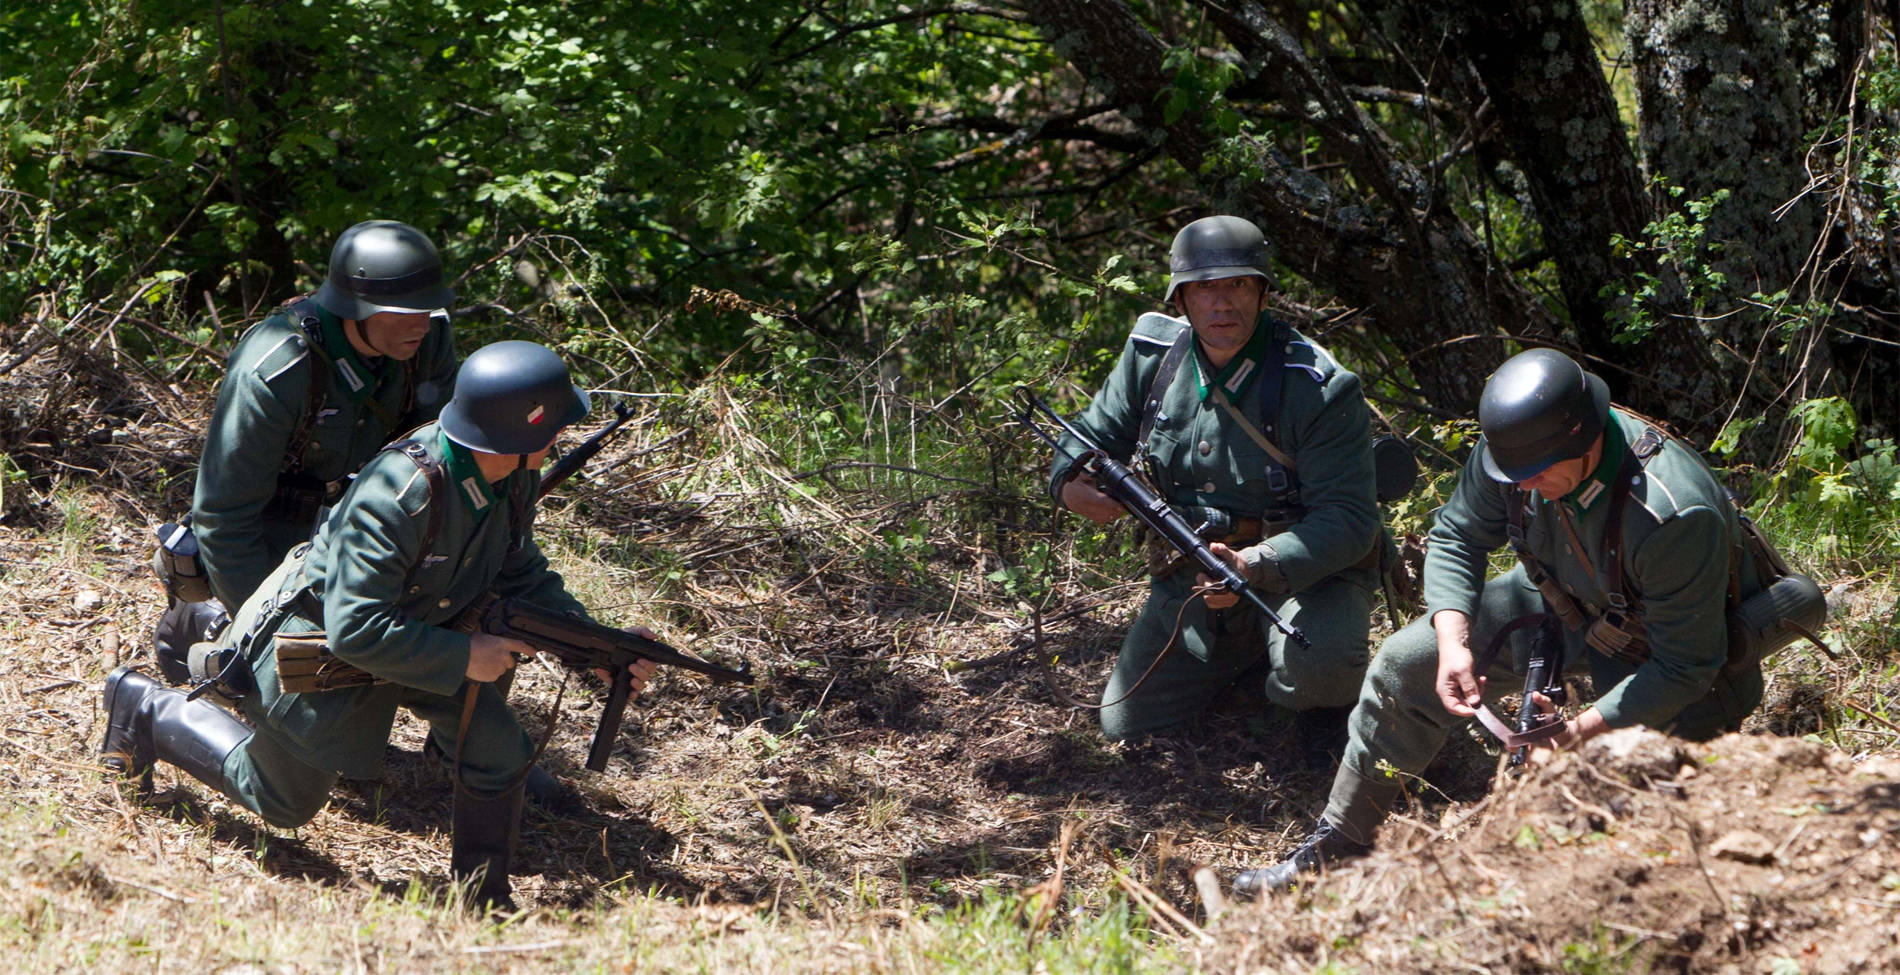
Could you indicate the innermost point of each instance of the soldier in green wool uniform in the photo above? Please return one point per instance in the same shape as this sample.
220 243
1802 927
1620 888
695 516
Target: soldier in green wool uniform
310 394
1263 442
1623 534
421 534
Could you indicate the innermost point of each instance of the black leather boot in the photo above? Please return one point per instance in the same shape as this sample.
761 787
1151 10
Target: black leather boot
1325 846
181 625
1354 810
549 794
482 846
147 722
1320 734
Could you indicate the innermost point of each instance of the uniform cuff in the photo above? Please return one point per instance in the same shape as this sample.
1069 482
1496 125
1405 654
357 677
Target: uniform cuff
1263 568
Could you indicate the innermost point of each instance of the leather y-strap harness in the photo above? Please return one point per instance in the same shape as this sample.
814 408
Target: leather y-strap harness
1624 612
1259 416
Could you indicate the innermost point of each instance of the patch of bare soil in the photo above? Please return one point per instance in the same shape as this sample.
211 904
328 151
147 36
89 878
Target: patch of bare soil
1640 853
863 774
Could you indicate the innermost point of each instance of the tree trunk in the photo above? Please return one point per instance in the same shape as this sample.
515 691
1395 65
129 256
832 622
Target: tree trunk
1726 103
1400 255
1537 67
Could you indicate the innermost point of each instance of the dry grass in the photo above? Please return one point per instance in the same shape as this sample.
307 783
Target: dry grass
864 809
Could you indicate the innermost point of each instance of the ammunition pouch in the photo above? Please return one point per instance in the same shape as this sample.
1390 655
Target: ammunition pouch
306 665
1619 635
1561 604
176 561
300 499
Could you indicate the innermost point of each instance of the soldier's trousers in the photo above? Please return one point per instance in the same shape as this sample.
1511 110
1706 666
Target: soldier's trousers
1400 722
1215 648
267 777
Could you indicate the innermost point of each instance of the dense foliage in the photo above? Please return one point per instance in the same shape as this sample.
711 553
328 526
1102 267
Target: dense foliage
931 201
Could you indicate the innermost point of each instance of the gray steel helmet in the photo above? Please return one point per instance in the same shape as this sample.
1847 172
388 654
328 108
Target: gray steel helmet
511 398
1217 247
382 265
1540 407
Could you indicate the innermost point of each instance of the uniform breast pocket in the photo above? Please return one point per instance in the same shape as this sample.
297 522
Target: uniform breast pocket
1245 465
1169 461
1542 537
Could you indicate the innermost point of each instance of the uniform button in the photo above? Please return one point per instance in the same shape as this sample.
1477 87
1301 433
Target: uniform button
1206 448
1207 488
414 589
443 603
468 561
359 424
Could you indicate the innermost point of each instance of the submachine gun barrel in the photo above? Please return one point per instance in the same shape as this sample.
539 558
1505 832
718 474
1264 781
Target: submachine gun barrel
1116 480
584 645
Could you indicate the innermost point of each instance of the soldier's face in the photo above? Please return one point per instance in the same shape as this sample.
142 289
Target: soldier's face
1558 479
1224 312
396 334
1561 478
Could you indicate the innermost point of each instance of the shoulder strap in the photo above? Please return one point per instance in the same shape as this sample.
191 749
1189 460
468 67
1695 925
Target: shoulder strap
1158 386
432 470
312 328
1267 406
1636 457
1280 477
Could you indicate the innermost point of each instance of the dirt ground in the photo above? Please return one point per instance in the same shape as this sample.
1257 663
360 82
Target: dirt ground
862 773
1640 853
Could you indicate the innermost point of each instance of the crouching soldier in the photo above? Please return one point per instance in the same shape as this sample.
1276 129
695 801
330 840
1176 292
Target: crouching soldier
1622 534
310 394
428 526
1264 442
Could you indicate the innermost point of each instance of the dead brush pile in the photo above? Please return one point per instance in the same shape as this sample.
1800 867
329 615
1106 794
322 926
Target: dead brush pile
1639 853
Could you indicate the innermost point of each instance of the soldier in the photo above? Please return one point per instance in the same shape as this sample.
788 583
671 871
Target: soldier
1556 470
310 394
1262 440
395 561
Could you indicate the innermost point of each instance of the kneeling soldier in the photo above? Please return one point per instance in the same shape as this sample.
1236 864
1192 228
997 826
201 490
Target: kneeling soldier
393 564
1622 533
310 394
1263 441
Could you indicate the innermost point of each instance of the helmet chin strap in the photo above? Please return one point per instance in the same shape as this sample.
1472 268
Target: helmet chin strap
362 335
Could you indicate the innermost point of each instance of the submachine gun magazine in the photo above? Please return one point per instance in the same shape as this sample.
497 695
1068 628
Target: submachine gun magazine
1118 482
1543 674
584 645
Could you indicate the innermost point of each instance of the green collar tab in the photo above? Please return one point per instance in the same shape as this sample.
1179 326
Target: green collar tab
358 377
1242 369
467 477
1596 487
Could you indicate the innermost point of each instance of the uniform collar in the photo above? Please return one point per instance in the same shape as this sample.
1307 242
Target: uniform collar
1596 487
358 376
1243 368
466 475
